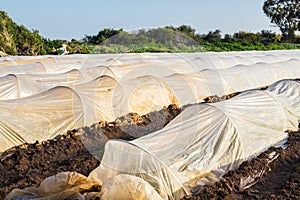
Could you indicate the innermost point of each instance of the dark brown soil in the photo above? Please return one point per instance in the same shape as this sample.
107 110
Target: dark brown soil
275 174
215 98
28 164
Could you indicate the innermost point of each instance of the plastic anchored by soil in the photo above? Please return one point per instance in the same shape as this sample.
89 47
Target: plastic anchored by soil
28 164
275 174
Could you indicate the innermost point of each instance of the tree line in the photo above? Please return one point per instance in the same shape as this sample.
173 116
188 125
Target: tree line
285 14
16 39
185 38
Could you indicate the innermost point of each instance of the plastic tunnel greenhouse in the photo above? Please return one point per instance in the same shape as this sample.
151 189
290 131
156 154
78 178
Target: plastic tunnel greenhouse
201 144
16 86
138 84
40 117
45 96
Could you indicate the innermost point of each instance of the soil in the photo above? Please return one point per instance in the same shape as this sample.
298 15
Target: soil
275 174
215 98
28 164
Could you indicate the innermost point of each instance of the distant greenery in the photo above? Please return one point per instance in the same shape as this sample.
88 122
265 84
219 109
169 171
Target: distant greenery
286 15
185 39
153 40
18 40
15 39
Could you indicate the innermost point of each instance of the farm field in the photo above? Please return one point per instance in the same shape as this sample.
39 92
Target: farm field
179 125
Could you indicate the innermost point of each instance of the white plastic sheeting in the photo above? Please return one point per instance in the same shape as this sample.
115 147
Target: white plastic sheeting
7 61
148 93
64 185
97 100
240 78
23 85
178 88
288 93
62 67
9 88
109 86
197 147
39 117
198 61
154 92
141 95
45 115
94 72
200 81
204 141
40 68
36 68
96 96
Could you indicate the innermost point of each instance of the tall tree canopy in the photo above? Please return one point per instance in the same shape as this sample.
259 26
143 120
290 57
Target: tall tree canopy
17 39
102 36
285 14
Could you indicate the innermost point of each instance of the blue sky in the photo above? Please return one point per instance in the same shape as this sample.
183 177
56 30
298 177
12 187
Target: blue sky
67 19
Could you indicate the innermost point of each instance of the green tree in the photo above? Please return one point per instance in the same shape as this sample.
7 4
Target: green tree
185 29
101 36
247 37
268 37
18 40
228 38
285 14
213 37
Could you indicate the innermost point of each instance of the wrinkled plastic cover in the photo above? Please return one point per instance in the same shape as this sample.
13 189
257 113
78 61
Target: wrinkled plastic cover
105 87
287 92
64 185
15 86
39 117
197 147
205 141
